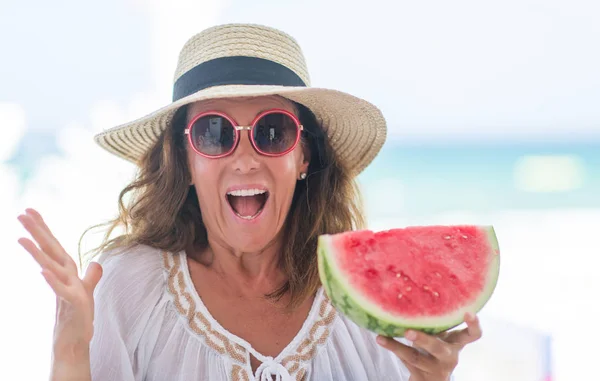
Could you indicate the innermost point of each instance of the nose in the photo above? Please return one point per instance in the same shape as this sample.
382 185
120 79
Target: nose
245 158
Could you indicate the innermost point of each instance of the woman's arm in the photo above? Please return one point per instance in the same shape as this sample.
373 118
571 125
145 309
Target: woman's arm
71 363
73 329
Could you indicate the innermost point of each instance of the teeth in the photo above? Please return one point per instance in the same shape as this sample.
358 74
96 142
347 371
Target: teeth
246 192
248 217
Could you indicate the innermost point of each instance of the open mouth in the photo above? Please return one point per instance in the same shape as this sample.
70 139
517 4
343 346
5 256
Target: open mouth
247 203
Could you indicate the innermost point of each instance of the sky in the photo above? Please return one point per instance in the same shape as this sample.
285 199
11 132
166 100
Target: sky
455 67
483 72
462 70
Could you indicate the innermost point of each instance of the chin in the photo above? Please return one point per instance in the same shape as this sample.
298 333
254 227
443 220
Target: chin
250 242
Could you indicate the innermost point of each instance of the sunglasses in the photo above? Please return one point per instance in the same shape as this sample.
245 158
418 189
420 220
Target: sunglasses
273 132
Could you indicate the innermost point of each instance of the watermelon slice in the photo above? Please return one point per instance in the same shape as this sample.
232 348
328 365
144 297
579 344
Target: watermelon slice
424 278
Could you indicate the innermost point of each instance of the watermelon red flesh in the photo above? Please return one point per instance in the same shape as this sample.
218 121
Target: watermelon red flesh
415 270
418 277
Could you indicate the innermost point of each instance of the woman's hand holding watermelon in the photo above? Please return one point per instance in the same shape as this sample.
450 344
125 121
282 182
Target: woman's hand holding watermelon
433 358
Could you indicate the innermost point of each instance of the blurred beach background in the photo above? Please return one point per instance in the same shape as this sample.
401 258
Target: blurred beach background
494 118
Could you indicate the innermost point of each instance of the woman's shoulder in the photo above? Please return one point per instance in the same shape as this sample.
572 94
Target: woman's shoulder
129 272
132 288
127 262
131 307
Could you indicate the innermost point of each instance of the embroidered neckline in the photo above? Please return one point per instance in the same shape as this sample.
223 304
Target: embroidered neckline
295 357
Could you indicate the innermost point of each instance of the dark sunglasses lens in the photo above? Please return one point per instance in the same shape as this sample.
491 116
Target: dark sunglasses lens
213 135
275 133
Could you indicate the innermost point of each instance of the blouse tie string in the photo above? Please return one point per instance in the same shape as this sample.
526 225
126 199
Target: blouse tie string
270 368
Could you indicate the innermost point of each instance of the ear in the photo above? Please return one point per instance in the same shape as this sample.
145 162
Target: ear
305 158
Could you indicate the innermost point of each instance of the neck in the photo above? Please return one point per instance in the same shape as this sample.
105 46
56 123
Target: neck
247 273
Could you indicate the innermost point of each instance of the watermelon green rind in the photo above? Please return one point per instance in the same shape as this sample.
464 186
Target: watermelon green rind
369 315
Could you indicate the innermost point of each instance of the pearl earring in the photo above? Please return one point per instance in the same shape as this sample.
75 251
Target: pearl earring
302 176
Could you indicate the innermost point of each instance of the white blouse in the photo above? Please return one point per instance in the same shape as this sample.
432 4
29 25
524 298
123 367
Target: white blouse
150 324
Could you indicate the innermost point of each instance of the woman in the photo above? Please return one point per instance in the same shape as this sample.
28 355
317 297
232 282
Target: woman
215 277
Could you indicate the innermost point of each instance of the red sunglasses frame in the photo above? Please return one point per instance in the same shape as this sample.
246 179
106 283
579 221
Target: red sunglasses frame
250 128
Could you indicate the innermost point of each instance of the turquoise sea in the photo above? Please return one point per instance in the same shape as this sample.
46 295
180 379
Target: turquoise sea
484 178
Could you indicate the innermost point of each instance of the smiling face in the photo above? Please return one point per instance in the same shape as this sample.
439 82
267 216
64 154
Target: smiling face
245 197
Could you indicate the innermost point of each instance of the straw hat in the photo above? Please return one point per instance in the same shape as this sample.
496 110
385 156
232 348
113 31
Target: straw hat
237 60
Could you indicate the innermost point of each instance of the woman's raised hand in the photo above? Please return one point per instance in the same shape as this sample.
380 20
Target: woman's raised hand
74 327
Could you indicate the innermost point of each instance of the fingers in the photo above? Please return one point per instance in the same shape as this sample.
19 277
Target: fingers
59 288
433 356
472 333
92 276
38 217
432 344
473 328
415 374
42 235
34 224
62 290
410 356
44 260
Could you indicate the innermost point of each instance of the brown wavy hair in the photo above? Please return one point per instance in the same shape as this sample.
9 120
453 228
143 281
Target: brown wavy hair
162 209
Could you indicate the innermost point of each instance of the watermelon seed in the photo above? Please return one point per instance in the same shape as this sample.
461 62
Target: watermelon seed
408 288
426 288
400 296
436 294
464 236
438 274
447 237
397 275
